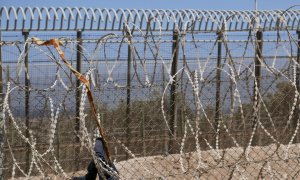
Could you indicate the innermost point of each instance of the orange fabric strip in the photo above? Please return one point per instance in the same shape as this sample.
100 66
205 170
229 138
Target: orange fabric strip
56 43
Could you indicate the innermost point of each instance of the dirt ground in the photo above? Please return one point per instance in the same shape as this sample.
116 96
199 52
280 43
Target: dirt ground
267 162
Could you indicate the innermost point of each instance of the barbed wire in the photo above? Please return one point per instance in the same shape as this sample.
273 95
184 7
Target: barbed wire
248 134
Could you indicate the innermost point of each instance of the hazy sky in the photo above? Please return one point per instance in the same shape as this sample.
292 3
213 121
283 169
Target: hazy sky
158 4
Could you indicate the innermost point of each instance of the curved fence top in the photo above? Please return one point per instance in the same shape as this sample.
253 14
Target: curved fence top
94 19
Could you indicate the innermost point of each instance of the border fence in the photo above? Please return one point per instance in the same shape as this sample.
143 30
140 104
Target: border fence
180 94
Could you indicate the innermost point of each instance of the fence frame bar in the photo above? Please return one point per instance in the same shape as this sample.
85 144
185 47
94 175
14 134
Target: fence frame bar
298 61
2 138
218 83
78 94
258 56
297 109
173 103
257 72
25 33
128 98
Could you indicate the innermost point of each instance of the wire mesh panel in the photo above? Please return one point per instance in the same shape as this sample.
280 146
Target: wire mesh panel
172 105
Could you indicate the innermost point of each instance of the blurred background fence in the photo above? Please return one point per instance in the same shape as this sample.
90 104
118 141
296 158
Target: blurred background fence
211 98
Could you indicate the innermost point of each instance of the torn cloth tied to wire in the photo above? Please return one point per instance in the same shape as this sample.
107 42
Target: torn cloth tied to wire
56 44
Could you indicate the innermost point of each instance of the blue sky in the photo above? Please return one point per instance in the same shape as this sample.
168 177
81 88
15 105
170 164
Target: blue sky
158 4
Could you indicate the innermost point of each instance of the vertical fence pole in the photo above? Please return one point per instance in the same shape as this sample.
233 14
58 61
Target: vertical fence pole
218 83
1 118
165 132
173 105
143 133
298 84
128 93
258 56
27 93
78 95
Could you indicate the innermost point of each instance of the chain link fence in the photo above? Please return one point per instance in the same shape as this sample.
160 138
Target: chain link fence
172 105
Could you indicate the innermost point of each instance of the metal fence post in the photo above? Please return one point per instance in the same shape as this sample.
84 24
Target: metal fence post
143 133
173 105
165 132
218 82
128 93
25 33
258 56
298 85
78 95
1 118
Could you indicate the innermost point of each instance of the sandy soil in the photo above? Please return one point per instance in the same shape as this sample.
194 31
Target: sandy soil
267 162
